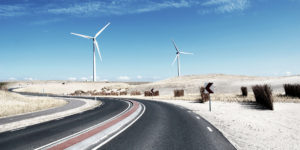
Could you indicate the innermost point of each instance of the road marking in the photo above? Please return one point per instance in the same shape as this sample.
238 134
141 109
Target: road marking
209 129
98 146
85 130
87 139
198 117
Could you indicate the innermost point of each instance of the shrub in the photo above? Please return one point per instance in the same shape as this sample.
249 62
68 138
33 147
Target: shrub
3 85
244 91
123 93
149 93
178 93
156 93
204 96
263 95
135 93
292 90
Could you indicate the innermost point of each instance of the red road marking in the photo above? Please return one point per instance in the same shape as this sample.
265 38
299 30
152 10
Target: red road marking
90 133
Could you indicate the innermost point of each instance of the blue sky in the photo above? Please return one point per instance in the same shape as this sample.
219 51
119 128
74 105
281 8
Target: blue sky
247 37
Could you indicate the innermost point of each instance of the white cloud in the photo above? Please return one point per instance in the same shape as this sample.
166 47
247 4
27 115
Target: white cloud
224 6
96 8
139 77
116 7
28 78
72 78
12 10
288 73
124 78
12 79
84 78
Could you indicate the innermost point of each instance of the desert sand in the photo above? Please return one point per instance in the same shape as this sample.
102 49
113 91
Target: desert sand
248 127
224 84
243 122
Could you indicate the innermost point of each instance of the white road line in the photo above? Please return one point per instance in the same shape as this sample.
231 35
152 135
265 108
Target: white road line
98 146
83 131
209 129
17 129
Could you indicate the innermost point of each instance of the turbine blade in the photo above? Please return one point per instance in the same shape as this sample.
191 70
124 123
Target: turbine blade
96 43
175 59
186 53
84 36
175 46
101 30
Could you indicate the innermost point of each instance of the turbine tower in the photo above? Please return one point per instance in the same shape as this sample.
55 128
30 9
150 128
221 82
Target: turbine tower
95 44
178 56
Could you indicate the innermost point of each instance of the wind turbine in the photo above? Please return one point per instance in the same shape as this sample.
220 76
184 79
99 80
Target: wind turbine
178 56
95 44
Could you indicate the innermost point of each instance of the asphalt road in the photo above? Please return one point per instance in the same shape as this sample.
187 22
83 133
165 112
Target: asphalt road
163 126
167 127
38 135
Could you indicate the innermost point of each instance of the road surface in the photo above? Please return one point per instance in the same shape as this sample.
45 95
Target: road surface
162 126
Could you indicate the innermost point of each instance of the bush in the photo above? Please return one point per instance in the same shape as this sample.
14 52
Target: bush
135 93
204 96
149 93
263 95
178 93
244 91
292 90
123 93
156 93
3 85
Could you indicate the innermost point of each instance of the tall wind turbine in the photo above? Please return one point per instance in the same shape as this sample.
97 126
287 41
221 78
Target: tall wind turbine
178 56
95 44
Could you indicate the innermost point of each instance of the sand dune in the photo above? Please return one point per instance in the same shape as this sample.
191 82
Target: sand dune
224 84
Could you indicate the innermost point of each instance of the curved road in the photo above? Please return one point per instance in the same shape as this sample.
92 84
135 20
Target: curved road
167 127
162 126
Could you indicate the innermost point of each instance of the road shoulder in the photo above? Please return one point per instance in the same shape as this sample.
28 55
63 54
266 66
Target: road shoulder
51 114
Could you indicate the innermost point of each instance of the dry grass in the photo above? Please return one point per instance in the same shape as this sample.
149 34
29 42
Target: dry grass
178 93
244 91
263 95
13 104
292 90
229 98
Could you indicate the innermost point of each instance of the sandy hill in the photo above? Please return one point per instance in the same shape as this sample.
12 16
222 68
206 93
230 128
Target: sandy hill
223 83
191 83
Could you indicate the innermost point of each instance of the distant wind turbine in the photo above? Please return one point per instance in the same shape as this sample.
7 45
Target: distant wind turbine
95 43
177 57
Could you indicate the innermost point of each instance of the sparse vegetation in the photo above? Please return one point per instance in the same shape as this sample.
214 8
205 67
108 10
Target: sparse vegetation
292 90
263 95
244 91
103 92
13 104
156 93
204 96
178 93
3 85
133 93
149 93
